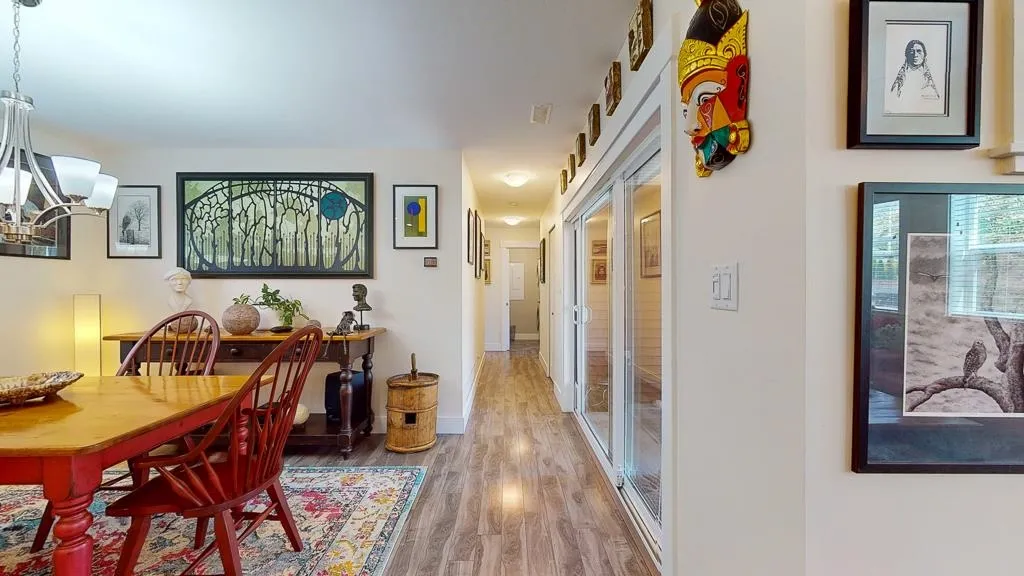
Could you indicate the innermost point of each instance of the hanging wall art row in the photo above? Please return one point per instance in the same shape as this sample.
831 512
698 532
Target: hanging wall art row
283 225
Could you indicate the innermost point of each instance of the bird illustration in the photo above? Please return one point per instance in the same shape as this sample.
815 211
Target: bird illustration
932 277
975 358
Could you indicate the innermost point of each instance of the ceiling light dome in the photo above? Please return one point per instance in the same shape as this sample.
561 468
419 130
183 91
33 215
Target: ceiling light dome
512 220
516 178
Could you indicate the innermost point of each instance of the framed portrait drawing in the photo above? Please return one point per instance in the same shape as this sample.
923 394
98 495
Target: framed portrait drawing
939 340
599 271
650 246
415 224
133 223
275 225
470 235
915 74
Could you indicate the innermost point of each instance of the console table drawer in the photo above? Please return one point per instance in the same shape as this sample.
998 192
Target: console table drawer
248 352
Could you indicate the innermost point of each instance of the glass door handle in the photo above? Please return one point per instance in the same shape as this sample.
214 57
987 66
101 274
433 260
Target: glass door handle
590 314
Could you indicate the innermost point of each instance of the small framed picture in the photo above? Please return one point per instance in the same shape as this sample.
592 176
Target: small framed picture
641 33
430 261
487 248
487 271
915 74
599 248
594 123
599 271
133 223
478 244
572 167
613 88
650 246
470 237
415 225
543 261
563 181
581 148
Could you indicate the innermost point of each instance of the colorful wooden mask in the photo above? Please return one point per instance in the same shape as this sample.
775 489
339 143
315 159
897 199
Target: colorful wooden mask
714 84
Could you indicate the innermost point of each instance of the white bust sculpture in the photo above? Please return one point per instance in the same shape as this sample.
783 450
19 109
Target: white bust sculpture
179 300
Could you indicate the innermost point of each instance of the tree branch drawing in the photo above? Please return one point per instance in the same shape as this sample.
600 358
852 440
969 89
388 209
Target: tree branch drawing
1008 392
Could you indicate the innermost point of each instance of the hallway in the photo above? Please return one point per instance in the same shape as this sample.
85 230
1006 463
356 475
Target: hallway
519 493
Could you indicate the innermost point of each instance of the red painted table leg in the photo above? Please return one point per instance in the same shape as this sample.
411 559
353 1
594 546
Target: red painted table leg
73 555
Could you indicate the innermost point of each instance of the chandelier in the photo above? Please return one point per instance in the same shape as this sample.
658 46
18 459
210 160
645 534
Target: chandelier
83 190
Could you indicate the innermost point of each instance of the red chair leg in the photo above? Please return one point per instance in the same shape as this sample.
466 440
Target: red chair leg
285 514
133 545
45 525
202 525
227 543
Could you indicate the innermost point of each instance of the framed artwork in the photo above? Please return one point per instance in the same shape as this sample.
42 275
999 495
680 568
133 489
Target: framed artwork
133 223
599 248
54 241
599 271
478 244
594 123
581 148
572 167
487 271
613 88
275 225
430 261
939 341
650 246
915 74
563 181
471 228
543 271
415 225
641 34
487 248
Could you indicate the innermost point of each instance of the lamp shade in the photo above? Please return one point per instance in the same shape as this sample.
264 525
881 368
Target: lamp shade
76 176
103 193
7 185
88 334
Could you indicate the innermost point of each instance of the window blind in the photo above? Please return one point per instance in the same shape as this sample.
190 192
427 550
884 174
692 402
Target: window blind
885 256
986 255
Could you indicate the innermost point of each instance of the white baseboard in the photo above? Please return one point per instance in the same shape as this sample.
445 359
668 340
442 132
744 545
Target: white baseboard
527 336
544 363
493 347
467 405
380 424
451 426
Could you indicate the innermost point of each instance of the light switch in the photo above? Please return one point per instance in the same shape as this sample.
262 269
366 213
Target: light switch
725 287
716 284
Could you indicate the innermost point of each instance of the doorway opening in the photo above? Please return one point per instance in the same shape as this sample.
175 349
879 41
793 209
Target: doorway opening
523 300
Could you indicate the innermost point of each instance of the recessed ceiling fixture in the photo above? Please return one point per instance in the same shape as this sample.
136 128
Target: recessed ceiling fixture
516 178
540 114
79 179
512 220
513 204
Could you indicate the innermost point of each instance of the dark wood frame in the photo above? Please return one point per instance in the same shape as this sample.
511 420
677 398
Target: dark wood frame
613 88
394 226
469 236
159 224
862 327
857 102
365 177
572 167
581 148
479 267
641 25
543 261
563 181
594 123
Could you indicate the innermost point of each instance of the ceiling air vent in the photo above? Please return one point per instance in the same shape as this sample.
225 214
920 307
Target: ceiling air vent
540 114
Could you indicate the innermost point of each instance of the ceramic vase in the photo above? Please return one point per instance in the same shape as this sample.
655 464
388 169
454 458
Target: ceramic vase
301 415
240 319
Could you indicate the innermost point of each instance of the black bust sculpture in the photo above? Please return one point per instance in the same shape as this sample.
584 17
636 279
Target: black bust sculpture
359 295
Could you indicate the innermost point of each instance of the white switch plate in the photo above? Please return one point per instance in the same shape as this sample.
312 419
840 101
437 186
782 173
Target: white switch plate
725 287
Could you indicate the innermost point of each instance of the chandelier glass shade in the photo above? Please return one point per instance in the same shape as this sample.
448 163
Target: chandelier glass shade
81 188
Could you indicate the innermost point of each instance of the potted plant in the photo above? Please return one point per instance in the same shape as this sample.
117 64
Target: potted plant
287 309
241 317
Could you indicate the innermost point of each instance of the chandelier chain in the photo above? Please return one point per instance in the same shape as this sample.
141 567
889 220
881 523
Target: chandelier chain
17 45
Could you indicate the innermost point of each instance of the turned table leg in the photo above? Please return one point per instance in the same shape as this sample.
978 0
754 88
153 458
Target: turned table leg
73 555
345 392
368 380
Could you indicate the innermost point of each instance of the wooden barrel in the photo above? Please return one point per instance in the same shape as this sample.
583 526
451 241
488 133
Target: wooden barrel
412 412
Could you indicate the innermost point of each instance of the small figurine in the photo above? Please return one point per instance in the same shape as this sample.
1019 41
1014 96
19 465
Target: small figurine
359 295
345 325
179 280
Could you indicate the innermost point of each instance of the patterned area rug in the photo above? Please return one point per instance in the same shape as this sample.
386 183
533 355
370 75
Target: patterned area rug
349 518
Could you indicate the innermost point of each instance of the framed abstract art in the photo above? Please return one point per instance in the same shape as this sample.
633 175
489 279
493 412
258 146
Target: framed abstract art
275 225
939 337
915 74
415 224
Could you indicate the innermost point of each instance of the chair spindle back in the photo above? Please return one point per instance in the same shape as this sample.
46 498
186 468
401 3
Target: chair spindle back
183 344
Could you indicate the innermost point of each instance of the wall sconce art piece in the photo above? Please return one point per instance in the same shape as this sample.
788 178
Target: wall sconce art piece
714 84
88 335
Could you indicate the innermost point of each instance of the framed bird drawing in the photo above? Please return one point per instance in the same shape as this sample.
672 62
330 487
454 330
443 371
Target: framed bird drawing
940 328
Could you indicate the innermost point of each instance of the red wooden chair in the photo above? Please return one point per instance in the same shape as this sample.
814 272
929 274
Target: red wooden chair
176 353
194 485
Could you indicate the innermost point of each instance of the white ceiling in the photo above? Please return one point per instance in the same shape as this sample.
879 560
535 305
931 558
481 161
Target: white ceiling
328 73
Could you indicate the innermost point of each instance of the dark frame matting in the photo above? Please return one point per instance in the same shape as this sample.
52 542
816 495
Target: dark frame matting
862 326
63 225
159 225
857 100
365 177
437 208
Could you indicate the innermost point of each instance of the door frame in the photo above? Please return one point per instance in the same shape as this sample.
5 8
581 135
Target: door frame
506 322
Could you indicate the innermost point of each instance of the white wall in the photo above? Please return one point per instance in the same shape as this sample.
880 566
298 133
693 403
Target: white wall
414 303
470 302
37 292
524 314
494 303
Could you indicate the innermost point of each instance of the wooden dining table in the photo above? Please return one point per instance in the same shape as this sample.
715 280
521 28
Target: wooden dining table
65 443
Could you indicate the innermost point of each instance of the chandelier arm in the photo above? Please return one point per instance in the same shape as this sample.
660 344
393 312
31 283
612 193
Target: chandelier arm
7 136
67 206
37 174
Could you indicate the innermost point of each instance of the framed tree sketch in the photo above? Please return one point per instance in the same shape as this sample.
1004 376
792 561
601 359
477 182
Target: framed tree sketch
613 88
594 123
276 225
939 341
133 223
415 224
650 246
53 241
915 74
641 33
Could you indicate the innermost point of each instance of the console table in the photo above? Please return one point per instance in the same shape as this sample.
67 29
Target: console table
341 349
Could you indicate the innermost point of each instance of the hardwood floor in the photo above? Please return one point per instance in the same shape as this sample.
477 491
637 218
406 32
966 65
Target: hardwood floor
518 494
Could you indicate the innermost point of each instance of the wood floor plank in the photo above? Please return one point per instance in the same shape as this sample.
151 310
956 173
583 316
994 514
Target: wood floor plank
518 494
